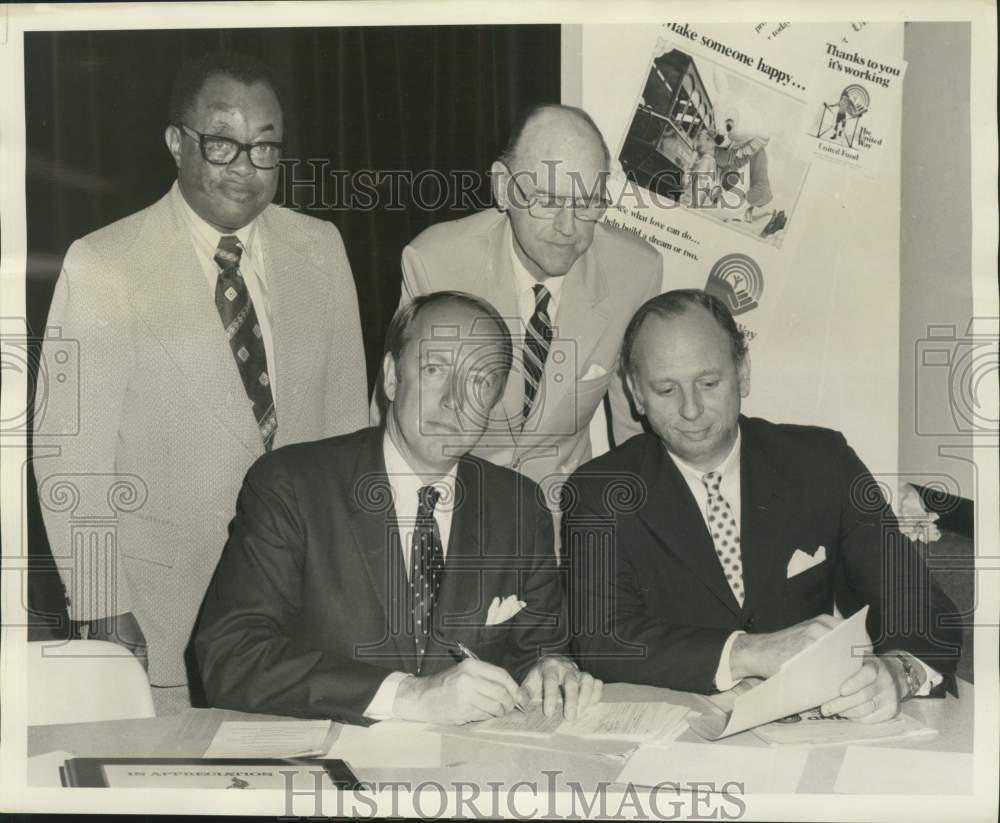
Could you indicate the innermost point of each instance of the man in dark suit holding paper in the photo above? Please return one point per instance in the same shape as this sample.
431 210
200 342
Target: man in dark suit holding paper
385 574
724 542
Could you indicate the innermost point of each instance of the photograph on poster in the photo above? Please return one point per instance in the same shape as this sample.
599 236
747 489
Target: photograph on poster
717 143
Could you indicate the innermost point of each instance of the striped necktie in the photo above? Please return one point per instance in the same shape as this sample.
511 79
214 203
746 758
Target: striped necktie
537 338
239 319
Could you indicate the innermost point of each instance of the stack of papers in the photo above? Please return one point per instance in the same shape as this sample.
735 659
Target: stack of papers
269 739
813 729
638 722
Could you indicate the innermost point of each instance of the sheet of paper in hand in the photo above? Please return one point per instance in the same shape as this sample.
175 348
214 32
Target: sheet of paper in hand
805 681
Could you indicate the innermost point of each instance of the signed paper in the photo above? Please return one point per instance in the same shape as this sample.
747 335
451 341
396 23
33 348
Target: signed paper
805 681
619 721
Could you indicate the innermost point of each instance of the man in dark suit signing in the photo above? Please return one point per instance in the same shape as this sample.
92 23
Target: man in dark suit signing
385 574
723 542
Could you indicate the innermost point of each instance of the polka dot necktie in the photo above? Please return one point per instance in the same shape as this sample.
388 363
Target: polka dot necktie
537 338
426 561
239 319
725 534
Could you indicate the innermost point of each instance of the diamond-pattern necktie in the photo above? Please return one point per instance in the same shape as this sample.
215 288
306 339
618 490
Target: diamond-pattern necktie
239 319
537 338
725 534
426 561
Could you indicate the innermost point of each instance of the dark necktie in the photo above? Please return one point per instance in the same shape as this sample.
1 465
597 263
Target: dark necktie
243 332
426 560
725 534
537 338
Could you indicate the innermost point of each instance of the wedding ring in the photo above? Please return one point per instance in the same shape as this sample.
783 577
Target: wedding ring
874 706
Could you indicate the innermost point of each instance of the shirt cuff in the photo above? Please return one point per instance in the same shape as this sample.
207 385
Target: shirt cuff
724 674
381 706
932 678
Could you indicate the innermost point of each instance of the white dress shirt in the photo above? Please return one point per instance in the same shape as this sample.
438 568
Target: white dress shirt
729 488
405 484
524 284
205 239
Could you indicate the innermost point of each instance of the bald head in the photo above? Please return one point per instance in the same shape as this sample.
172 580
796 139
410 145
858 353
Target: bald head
555 133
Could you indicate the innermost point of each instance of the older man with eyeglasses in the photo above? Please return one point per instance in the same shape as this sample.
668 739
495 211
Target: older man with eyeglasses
565 282
213 326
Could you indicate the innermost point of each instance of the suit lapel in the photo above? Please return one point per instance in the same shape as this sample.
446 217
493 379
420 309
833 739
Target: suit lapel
297 294
373 524
672 514
174 300
762 493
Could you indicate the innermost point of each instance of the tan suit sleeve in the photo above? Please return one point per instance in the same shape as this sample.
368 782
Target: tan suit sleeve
77 427
347 382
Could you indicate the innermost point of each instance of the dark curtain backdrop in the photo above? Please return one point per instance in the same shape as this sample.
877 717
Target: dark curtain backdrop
438 99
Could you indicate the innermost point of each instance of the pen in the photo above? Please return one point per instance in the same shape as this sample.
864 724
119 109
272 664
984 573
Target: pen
468 654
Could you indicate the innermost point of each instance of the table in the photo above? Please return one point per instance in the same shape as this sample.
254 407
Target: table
190 733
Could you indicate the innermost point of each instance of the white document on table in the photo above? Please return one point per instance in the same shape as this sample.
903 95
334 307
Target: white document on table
278 738
805 681
617 721
391 744
884 771
761 770
653 722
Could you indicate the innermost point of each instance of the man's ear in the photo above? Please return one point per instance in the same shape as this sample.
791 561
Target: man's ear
389 377
743 372
174 139
636 399
499 181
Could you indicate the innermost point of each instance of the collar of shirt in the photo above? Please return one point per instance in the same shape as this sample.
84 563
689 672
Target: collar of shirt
524 284
729 468
405 484
206 238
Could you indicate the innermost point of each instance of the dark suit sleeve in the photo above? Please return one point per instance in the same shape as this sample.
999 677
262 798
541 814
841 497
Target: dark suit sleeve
613 635
253 656
540 628
883 568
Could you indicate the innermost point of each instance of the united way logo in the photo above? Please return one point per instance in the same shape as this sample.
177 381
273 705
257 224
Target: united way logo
838 121
737 281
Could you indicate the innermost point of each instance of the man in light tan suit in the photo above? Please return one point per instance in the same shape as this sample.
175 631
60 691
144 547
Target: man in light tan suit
553 270
212 326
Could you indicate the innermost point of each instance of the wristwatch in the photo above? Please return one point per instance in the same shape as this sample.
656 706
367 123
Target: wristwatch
913 680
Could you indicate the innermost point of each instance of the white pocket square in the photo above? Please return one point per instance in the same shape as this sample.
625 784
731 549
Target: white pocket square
501 611
801 561
596 370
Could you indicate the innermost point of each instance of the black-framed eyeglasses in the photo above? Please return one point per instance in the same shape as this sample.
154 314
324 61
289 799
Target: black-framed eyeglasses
221 151
546 206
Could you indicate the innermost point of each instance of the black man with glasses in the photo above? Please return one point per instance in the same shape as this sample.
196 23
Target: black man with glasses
566 283
213 327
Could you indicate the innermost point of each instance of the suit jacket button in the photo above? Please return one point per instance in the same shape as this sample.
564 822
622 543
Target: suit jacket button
748 624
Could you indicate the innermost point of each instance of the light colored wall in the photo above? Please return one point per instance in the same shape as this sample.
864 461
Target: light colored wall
935 250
